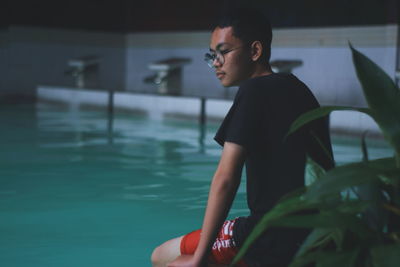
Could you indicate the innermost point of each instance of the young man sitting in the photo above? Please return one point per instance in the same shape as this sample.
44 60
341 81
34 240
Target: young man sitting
252 135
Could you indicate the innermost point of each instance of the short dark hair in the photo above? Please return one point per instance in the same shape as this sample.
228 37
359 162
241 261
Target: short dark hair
248 25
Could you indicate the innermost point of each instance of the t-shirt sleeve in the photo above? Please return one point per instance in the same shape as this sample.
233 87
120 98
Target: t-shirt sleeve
241 123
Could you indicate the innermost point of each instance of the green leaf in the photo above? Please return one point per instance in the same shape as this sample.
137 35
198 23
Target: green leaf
386 256
364 149
328 259
335 259
384 164
322 112
280 215
312 171
391 178
286 206
331 219
382 96
346 176
325 149
321 237
338 237
318 237
351 206
375 215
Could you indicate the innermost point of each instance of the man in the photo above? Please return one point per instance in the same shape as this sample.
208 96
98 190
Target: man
252 134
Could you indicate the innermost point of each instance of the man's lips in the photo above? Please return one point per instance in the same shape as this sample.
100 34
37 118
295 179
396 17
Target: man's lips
220 74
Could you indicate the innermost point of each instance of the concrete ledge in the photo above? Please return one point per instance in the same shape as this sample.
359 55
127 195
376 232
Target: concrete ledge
73 95
353 122
156 106
159 106
217 109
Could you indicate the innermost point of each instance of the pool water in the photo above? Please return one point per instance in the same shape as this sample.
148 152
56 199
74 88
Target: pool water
73 192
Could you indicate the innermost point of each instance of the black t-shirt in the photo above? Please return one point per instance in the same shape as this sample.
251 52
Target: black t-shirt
259 119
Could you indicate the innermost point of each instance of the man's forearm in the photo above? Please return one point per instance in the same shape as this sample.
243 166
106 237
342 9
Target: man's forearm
222 192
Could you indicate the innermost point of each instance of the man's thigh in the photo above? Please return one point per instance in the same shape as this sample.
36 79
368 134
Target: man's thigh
223 250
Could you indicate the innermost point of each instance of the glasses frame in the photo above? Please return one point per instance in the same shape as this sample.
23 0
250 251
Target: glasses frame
218 55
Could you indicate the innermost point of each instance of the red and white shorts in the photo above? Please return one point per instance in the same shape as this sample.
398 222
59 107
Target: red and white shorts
224 248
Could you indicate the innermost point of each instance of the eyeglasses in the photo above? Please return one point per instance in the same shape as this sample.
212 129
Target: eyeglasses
218 55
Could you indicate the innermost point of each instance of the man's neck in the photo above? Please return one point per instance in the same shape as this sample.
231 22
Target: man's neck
262 70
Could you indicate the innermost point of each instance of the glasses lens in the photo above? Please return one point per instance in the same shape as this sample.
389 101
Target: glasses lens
220 57
209 59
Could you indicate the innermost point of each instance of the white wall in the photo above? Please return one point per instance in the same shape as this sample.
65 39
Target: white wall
145 48
327 61
39 56
327 64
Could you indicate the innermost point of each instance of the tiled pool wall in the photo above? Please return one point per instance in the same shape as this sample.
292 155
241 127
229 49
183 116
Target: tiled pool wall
37 56
159 107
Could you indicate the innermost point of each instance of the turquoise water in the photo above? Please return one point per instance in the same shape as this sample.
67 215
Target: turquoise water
74 194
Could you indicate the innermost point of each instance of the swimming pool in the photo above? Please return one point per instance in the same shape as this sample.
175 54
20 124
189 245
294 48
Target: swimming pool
72 193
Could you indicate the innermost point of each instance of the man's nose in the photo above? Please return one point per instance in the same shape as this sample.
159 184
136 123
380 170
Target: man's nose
216 62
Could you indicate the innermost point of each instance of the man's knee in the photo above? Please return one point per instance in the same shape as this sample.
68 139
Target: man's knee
155 256
166 252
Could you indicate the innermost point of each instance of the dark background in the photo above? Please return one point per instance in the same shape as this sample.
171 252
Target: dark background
187 15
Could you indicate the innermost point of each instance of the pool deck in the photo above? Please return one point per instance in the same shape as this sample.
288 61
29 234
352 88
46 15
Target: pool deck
160 106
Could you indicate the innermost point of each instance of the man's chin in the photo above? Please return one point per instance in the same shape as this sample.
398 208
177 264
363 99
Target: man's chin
228 84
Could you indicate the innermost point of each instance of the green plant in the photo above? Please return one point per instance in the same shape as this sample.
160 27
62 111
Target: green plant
363 230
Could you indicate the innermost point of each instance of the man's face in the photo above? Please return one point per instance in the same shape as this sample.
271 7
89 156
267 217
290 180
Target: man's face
237 65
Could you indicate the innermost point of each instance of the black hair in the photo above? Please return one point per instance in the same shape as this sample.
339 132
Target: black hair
248 25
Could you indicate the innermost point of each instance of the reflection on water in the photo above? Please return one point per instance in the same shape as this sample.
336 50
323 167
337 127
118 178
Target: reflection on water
77 190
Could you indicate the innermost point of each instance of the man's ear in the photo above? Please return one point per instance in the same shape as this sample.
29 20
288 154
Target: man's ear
256 50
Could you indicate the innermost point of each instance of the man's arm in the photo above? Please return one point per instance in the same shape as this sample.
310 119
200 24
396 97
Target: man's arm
223 189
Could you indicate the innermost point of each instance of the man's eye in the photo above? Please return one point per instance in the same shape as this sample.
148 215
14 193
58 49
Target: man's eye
223 52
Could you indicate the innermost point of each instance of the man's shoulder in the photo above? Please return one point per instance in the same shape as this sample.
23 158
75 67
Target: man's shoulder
259 81
278 90
275 84
272 80
257 85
